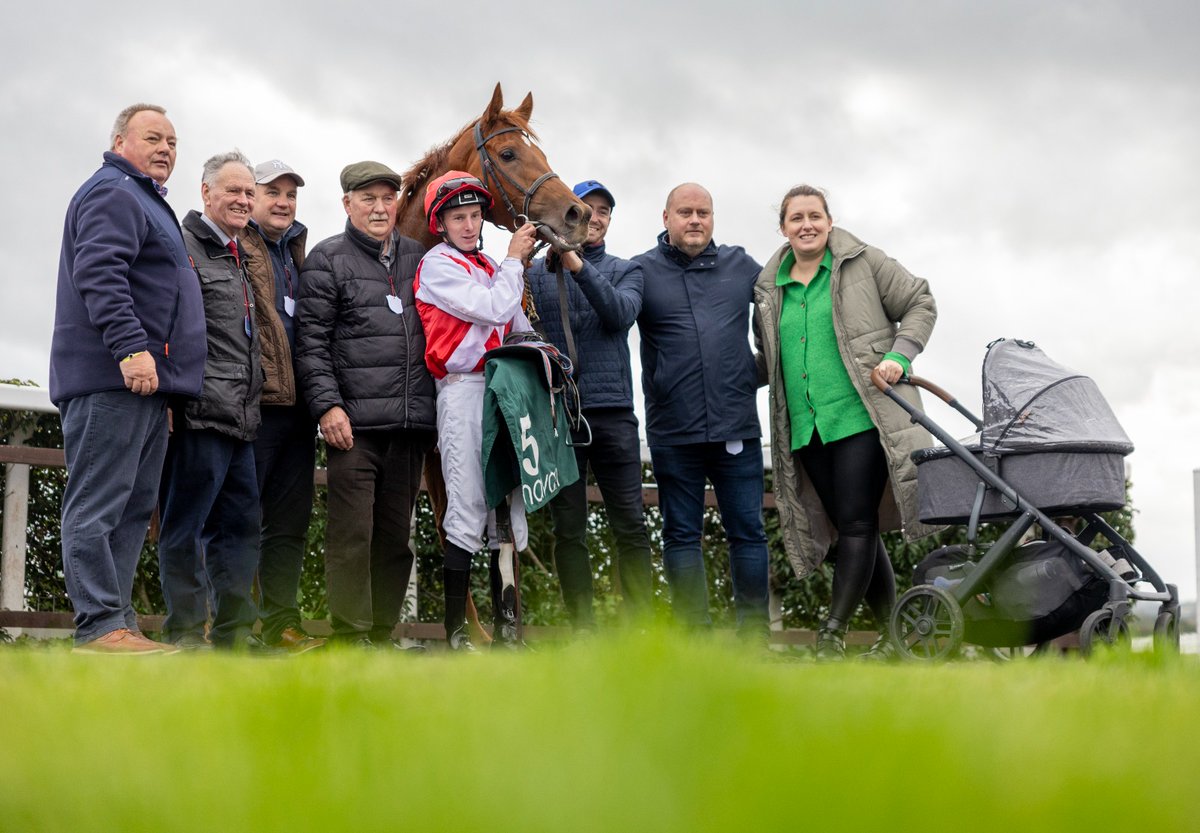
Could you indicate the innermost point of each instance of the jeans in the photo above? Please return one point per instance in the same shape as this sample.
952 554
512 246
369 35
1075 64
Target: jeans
114 443
372 491
209 540
737 480
284 456
616 463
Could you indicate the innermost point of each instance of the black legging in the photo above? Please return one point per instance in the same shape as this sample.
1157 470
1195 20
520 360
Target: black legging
849 476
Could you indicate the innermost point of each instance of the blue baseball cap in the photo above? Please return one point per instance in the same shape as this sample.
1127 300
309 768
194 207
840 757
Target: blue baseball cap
591 186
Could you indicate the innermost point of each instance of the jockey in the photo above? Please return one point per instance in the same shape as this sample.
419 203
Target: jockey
468 303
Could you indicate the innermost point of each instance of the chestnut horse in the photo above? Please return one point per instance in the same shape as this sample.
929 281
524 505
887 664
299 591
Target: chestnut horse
499 149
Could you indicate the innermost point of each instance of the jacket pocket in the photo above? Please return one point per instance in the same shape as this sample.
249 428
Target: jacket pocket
226 385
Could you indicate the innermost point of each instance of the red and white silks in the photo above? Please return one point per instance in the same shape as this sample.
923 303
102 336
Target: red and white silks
467 304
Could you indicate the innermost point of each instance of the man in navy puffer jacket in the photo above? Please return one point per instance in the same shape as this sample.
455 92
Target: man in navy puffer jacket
604 296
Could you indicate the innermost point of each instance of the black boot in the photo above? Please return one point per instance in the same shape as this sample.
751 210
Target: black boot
504 610
831 641
881 650
457 583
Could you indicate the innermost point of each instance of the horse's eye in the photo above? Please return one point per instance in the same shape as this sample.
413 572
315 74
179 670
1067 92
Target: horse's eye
508 154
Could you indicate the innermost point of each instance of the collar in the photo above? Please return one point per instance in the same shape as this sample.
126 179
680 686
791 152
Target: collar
704 260
123 164
783 275
368 242
594 254
222 236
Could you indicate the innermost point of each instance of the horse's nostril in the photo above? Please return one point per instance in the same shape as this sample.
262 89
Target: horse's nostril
574 217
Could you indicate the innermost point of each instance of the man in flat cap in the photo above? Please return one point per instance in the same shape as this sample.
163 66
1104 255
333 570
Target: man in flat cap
285 450
360 353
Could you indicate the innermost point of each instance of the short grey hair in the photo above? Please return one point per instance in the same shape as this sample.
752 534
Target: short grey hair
215 163
121 125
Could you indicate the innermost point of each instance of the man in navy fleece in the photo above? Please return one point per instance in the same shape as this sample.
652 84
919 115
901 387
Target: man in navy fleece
128 335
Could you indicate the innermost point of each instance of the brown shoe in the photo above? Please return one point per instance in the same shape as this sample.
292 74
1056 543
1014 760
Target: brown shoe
296 641
122 641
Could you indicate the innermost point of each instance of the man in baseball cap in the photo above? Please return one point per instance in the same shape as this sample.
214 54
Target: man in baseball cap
604 295
285 449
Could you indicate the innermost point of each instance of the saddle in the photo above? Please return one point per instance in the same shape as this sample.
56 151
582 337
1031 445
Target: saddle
558 371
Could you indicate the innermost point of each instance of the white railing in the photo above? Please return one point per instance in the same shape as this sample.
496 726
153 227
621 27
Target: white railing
16 497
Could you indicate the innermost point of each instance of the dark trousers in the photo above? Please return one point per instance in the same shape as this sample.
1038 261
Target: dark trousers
616 463
849 476
209 540
372 490
737 479
284 456
114 443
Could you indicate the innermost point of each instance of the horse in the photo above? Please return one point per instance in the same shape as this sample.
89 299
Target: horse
498 148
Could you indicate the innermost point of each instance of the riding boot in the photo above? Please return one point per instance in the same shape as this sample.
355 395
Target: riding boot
831 641
504 609
457 583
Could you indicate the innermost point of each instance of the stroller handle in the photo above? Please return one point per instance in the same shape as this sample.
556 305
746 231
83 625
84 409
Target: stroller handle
885 387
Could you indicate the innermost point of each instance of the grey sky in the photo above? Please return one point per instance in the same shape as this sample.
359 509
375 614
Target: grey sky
1034 161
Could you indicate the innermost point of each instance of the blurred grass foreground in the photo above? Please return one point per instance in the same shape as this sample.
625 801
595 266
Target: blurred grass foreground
620 734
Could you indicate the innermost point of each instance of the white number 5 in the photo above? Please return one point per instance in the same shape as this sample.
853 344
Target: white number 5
531 467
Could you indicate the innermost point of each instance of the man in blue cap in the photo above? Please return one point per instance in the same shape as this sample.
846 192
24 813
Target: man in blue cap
603 296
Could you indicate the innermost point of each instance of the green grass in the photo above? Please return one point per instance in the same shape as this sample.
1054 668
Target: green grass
617 735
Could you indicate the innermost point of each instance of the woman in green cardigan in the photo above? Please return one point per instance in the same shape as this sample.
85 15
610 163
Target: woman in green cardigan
830 309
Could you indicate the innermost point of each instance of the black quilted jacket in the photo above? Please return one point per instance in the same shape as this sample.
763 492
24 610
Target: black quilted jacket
352 350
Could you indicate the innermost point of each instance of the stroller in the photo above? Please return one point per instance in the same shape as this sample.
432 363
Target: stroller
1048 451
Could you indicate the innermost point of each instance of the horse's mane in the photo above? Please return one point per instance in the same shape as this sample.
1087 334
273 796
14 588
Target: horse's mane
434 162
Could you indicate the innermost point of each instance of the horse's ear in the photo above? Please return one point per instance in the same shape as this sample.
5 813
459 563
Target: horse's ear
526 108
494 106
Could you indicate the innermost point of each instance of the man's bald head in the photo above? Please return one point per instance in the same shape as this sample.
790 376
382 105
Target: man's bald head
685 186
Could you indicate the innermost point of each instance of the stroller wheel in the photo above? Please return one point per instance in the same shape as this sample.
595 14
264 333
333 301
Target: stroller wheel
927 624
1166 633
1100 628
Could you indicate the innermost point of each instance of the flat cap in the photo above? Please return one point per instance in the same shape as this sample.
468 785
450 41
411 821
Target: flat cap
361 174
265 172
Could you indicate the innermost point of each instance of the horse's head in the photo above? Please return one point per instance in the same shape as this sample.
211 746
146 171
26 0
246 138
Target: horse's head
515 170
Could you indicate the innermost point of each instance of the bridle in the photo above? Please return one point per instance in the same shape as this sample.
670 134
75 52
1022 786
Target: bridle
491 180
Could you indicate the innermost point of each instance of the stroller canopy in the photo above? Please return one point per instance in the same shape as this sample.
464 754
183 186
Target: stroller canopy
1031 403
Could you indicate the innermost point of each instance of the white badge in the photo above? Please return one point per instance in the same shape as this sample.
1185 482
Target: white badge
289 306
733 447
395 304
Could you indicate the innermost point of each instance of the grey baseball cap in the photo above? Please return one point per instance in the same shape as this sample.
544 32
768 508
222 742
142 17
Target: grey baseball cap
361 174
265 172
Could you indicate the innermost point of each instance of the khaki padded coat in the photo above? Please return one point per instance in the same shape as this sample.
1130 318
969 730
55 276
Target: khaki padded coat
878 307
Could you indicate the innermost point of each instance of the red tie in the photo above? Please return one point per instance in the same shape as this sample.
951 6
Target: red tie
233 250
